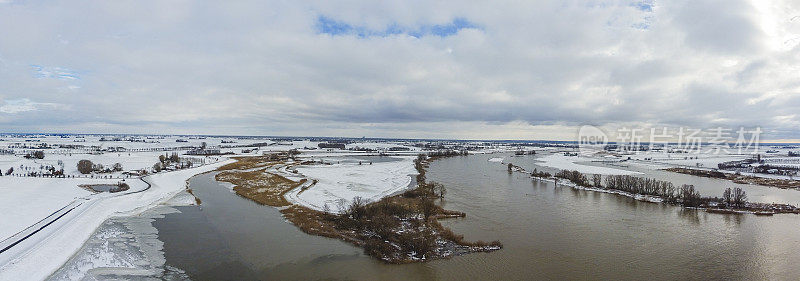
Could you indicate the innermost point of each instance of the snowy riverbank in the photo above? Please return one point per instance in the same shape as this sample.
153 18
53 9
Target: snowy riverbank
42 254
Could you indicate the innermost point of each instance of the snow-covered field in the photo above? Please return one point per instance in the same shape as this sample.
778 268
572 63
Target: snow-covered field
379 146
338 184
44 220
559 161
41 254
682 159
129 161
25 200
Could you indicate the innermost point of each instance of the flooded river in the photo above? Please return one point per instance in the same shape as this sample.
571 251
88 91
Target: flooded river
549 232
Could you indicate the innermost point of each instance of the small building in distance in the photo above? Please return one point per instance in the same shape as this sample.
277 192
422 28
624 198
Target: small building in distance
116 149
201 151
338 145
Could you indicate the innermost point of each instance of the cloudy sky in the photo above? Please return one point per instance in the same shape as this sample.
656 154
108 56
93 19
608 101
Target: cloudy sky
421 69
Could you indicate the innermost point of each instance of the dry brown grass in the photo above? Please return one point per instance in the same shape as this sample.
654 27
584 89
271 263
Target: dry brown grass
313 183
196 199
316 223
741 179
779 183
448 234
249 162
264 188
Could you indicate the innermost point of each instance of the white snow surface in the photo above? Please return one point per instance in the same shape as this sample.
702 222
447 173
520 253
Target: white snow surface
380 145
27 200
343 182
694 160
560 161
41 254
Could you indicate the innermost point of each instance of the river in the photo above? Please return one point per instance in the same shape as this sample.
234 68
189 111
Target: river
548 232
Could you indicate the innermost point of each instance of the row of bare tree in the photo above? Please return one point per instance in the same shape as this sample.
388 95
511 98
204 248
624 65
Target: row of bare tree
685 195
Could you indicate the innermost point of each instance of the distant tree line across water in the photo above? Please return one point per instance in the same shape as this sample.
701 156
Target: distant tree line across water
685 195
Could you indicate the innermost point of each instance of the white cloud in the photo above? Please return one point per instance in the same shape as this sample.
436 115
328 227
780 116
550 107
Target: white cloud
261 67
17 106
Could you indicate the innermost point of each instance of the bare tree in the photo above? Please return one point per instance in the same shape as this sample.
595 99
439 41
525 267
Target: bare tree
727 196
690 196
85 166
356 209
428 207
340 205
440 189
596 180
739 197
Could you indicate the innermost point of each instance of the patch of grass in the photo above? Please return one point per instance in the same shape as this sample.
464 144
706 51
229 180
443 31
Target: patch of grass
260 186
313 183
311 221
250 162
741 179
196 199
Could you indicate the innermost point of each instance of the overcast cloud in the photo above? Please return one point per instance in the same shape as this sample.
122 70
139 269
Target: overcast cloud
422 69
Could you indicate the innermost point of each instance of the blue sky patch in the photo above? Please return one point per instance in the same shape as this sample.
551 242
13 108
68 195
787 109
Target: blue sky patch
644 5
54 72
327 25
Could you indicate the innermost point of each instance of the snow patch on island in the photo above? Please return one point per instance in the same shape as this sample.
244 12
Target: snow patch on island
338 184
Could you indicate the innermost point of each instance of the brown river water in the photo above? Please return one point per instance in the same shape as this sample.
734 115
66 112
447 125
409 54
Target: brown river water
549 232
